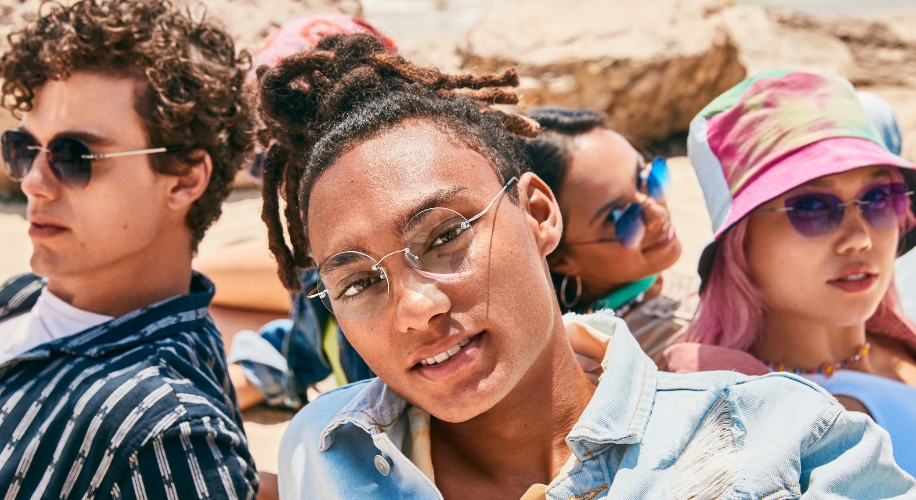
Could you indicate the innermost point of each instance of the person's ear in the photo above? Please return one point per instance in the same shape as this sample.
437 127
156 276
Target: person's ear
542 210
561 263
191 185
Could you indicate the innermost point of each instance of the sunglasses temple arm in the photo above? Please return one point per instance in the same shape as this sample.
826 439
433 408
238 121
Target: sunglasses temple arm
170 149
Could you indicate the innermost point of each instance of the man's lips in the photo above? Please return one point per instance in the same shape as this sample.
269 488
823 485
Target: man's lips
44 227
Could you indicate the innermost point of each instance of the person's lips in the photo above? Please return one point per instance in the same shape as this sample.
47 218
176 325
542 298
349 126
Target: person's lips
855 278
44 227
661 241
449 361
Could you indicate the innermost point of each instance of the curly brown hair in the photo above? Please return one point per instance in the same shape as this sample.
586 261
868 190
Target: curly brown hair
192 78
319 104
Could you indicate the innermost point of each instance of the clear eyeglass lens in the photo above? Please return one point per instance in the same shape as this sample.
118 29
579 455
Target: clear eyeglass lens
354 290
438 241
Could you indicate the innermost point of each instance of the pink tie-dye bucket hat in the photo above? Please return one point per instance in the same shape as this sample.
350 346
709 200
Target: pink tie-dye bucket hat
774 132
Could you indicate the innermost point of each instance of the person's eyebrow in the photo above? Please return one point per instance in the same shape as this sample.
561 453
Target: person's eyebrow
341 259
408 219
90 138
880 174
819 182
605 209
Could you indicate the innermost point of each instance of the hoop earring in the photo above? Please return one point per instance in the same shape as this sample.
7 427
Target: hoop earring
570 304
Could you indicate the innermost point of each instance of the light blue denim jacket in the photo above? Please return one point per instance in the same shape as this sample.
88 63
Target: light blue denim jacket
645 434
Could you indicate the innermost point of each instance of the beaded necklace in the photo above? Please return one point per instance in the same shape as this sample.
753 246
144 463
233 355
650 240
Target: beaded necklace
826 368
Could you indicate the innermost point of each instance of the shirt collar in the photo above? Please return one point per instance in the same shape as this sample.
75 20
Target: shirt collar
176 314
617 414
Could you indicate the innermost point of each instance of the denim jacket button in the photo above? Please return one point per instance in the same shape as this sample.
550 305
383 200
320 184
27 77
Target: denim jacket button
383 465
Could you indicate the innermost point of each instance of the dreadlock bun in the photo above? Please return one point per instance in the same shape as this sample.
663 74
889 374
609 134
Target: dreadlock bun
317 105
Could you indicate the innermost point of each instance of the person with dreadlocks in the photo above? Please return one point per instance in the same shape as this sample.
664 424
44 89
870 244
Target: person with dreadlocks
405 190
113 378
280 347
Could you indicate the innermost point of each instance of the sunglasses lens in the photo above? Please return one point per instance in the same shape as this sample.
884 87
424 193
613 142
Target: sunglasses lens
883 206
659 179
68 162
814 215
630 227
17 157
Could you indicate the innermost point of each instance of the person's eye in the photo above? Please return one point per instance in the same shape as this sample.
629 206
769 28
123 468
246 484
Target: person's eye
449 234
876 195
811 204
357 286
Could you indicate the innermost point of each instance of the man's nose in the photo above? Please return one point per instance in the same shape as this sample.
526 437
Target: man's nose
40 181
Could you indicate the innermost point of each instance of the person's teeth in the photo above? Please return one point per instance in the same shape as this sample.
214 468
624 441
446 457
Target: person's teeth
442 356
853 277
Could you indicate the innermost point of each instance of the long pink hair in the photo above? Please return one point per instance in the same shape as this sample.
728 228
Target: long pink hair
731 309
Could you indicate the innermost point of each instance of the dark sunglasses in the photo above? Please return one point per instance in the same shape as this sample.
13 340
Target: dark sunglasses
820 214
630 221
69 158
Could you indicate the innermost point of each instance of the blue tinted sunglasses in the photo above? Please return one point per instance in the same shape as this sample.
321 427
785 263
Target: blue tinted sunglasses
630 221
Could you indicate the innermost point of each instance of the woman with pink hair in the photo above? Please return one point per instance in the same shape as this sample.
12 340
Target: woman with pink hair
810 210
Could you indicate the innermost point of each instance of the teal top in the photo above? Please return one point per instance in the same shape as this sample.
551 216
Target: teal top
625 296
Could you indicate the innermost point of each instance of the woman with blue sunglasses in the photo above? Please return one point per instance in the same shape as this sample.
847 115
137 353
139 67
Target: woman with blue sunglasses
618 241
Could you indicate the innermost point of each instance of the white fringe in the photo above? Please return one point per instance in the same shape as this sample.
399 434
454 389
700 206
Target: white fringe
709 466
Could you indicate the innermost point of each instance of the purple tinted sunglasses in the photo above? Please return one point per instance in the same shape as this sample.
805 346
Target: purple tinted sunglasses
820 214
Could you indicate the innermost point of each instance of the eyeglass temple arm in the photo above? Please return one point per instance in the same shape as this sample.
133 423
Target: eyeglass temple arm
501 191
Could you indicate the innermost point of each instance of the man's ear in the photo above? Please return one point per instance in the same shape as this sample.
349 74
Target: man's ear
544 217
191 185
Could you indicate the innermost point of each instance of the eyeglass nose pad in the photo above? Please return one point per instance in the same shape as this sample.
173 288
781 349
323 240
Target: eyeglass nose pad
412 259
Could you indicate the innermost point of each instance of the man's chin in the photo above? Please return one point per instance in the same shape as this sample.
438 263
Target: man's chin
49 265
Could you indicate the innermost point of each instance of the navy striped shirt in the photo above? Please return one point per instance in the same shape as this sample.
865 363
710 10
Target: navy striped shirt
137 407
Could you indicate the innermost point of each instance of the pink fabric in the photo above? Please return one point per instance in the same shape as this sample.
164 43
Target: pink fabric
689 357
826 157
304 33
775 116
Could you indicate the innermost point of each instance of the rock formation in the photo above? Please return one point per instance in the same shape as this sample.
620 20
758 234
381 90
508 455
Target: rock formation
651 68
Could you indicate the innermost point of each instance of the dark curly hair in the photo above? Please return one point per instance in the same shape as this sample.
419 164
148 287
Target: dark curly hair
319 104
192 94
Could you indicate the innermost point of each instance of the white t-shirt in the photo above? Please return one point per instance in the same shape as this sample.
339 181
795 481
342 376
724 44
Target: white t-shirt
50 319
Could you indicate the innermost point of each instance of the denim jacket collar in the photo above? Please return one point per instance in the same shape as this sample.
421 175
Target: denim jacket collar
176 314
617 414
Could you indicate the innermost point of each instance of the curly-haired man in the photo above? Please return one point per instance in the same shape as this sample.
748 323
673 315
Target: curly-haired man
112 376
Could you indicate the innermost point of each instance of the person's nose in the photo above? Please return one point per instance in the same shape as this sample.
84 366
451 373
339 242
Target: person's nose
854 234
419 300
40 182
655 213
